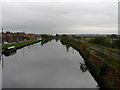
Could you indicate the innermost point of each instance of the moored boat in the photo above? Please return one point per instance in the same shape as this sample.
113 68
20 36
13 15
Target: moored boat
10 50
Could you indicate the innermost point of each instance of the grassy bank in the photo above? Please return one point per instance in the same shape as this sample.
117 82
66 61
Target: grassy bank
19 44
104 69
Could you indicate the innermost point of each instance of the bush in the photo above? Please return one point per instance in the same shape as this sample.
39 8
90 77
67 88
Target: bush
116 43
102 41
103 68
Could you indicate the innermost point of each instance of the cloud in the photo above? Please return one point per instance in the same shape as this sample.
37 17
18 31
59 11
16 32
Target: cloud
62 17
61 0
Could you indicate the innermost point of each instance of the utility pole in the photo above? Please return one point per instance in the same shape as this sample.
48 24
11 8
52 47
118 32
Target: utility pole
2 37
2 29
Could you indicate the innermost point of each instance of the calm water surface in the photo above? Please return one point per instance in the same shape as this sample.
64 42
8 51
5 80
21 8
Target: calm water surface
49 66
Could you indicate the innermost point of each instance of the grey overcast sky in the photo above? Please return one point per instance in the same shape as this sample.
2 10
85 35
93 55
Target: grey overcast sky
61 16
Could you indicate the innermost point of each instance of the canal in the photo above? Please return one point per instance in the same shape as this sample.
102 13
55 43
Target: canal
49 65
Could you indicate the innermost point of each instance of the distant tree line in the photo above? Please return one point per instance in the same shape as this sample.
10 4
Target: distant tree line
113 43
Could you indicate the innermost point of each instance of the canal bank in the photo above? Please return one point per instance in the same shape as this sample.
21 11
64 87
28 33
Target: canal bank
18 45
105 74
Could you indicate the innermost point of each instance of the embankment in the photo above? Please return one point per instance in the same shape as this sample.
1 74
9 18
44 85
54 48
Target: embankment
20 44
105 74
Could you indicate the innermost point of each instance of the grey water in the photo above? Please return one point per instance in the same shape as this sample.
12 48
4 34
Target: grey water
51 65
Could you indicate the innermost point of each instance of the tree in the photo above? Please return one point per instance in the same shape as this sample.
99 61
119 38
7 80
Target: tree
113 36
102 41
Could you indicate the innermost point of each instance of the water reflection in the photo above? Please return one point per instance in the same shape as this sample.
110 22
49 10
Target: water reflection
1 60
0 71
67 48
10 53
24 51
83 67
73 50
45 41
56 39
51 66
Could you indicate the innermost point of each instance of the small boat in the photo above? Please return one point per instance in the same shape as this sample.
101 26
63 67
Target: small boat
10 50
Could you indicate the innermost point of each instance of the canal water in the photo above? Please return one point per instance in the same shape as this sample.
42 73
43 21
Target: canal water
50 65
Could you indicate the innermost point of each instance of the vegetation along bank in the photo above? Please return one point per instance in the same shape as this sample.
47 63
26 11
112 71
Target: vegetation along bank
104 68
